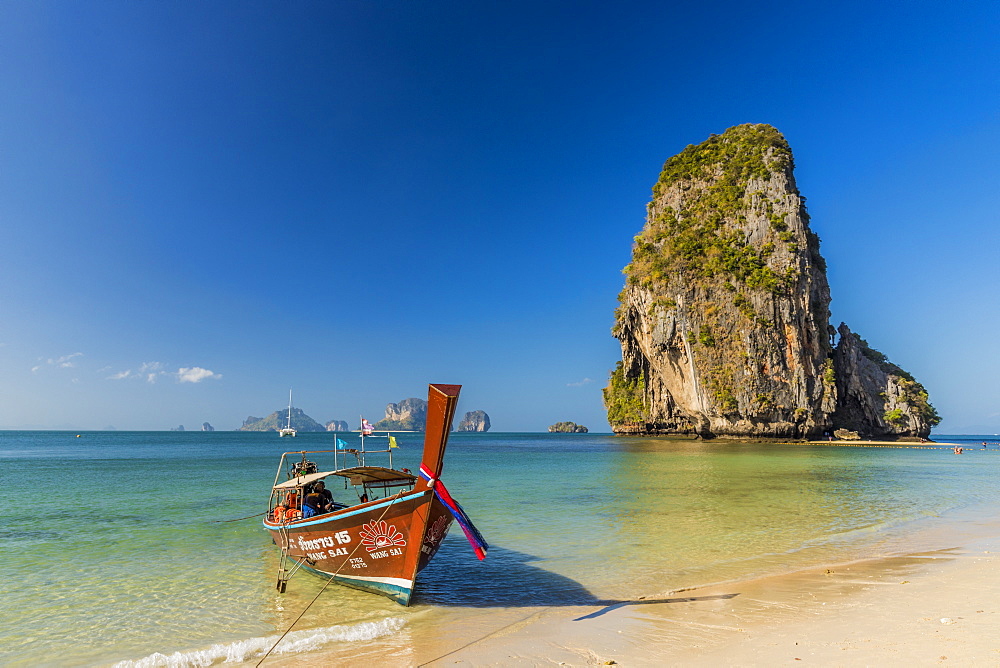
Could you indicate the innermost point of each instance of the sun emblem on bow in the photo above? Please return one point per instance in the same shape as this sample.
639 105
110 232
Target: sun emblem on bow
379 535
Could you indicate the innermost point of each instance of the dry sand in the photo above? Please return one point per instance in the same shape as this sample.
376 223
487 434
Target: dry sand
939 608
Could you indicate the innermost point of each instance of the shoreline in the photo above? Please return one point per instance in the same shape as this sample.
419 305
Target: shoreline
924 607
892 444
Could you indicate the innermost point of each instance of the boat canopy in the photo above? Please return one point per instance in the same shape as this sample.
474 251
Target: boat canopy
303 480
359 475
363 475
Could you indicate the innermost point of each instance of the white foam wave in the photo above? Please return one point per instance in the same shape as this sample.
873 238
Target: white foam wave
254 648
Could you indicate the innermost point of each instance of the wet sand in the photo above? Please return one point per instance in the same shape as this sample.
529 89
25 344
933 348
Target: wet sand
928 608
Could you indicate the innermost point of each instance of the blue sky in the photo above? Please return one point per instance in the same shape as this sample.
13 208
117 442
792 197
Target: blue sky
204 204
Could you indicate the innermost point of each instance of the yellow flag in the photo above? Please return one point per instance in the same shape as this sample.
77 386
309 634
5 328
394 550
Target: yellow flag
392 442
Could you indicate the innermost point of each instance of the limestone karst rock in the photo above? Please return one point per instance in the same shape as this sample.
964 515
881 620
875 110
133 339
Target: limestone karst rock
279 418
207 427
474 421
337 425
408 415
876 397
568 428
724 318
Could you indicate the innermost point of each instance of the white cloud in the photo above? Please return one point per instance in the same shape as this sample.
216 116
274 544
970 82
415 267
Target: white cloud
65 362
585 381
149 371
195 374
152 371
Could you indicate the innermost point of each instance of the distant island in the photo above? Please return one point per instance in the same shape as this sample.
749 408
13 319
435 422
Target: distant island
204 427
408 415
568 428
279 418
411 415
724 320
474 421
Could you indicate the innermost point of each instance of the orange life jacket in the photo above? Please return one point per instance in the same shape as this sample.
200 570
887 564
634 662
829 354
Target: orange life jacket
279 513
292 514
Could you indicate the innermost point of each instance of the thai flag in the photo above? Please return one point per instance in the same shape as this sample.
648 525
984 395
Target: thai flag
366 427
475 538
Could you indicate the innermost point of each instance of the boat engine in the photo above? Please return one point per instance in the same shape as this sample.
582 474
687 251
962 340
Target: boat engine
302 468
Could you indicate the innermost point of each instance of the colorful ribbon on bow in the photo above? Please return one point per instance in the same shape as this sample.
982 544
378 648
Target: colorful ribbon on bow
476 539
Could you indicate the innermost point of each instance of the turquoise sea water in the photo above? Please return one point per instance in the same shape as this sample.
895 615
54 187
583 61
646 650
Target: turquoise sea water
112 547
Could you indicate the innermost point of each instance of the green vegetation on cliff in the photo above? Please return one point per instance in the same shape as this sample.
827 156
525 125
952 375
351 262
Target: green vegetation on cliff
568 428
706 237
625 399
915 394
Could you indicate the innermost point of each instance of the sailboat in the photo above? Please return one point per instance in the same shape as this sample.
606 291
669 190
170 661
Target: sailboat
287 430
381 539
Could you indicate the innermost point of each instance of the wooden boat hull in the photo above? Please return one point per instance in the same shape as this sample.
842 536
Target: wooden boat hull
378 547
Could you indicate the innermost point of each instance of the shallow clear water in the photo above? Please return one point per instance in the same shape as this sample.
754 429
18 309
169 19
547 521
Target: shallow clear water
112 548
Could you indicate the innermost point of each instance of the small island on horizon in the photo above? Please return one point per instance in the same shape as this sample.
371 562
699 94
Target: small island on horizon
568 428
407 415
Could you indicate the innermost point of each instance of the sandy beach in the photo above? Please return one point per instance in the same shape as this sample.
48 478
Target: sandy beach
935 608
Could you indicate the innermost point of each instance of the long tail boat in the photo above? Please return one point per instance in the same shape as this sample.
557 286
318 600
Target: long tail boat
381 540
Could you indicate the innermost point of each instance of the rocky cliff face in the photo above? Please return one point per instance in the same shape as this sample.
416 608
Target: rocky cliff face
876 397
337 425
475 421
407 415
724 318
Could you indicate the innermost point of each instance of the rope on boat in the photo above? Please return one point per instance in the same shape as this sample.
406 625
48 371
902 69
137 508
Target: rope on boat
327 584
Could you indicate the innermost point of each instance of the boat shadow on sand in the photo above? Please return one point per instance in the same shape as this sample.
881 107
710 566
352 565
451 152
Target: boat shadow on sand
506 579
